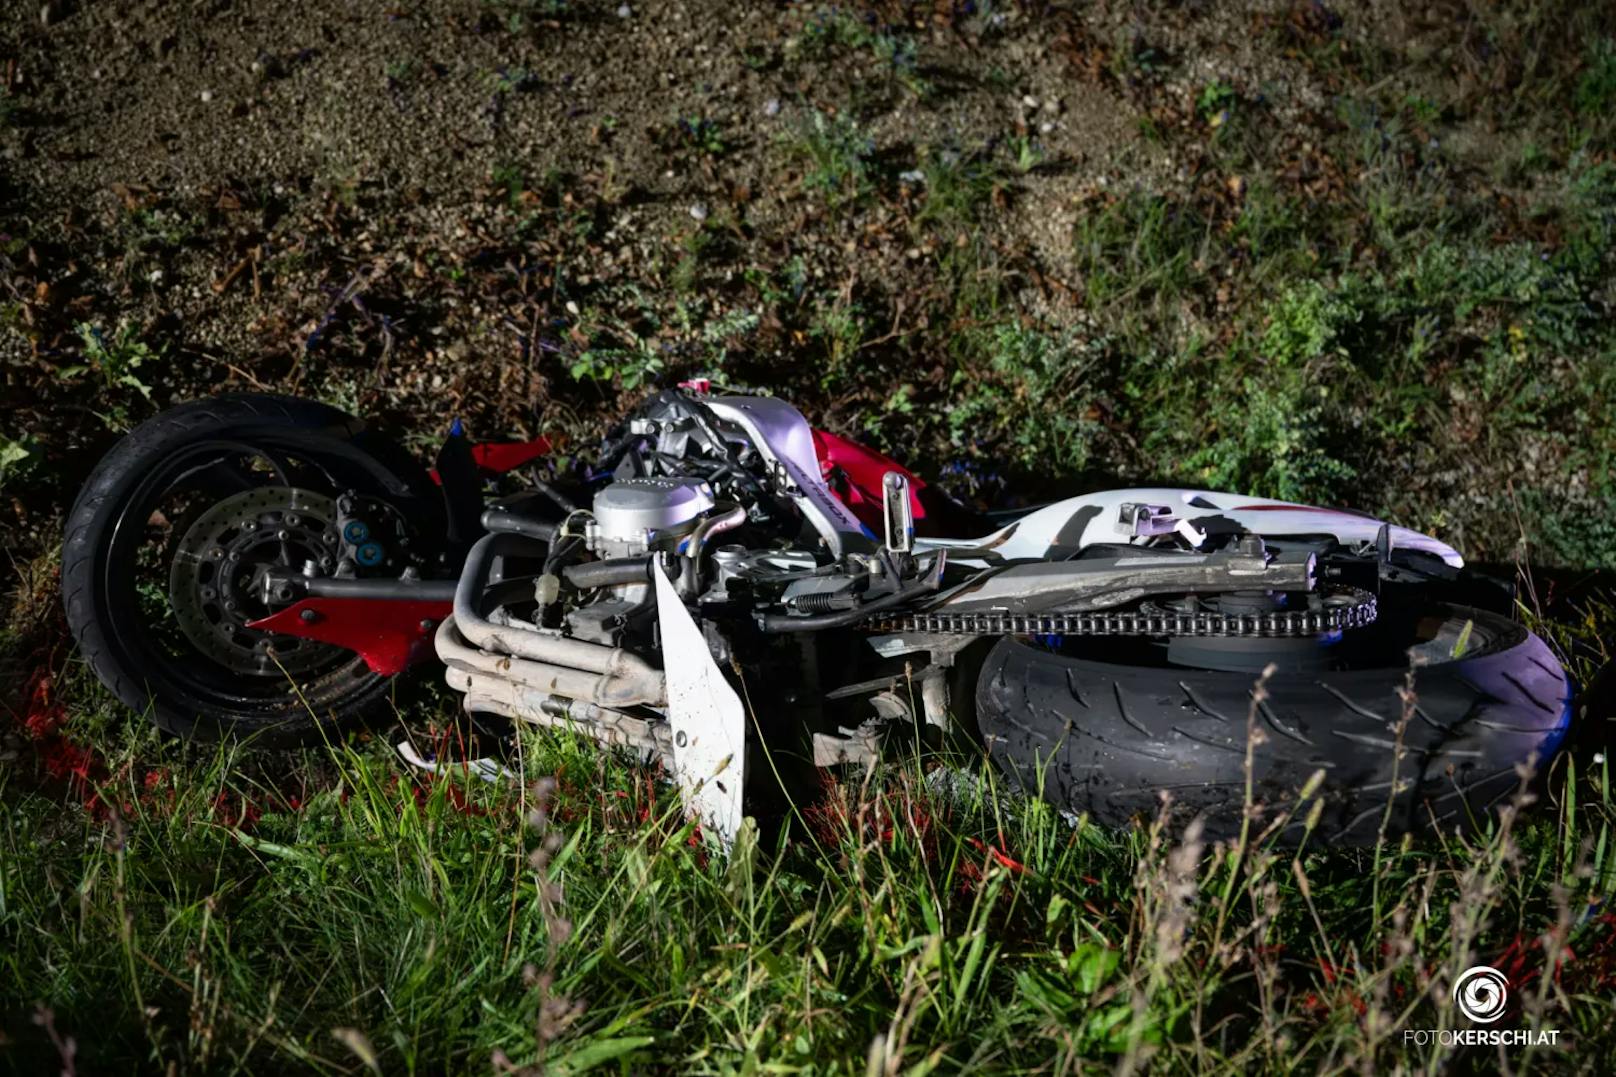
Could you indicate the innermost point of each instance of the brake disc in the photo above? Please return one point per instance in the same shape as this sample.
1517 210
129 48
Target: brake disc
215 582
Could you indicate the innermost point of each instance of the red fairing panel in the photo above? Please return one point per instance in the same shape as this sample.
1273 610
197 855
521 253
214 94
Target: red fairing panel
389 634
502 456
854 473
498 457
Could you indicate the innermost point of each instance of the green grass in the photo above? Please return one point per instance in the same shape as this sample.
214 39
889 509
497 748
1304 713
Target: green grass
835 33
960 185
228 911
835 156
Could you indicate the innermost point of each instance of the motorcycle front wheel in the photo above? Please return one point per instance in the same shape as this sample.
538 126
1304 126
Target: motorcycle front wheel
166 546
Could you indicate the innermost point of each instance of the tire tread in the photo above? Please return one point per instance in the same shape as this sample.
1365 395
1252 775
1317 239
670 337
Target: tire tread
1128 734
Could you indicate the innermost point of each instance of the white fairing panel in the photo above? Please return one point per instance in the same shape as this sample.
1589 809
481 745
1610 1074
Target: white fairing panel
1066 526
785 438
708 721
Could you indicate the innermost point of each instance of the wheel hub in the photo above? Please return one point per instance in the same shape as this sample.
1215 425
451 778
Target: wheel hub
216 582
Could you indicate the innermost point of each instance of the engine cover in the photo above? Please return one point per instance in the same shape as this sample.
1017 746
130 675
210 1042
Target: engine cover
631 514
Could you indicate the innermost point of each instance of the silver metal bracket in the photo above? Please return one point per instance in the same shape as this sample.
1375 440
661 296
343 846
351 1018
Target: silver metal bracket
897 514
1137 520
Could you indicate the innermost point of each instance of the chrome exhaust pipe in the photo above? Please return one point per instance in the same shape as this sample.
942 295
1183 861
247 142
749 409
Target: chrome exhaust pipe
624 681
475 647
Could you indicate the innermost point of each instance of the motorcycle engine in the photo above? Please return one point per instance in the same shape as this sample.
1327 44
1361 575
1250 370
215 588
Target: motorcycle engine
633 515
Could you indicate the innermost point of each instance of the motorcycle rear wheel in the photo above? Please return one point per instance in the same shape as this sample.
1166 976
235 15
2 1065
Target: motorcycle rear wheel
1111 739
187 485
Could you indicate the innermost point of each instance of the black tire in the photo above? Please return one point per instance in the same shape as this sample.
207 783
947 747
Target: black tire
186 698
1110 739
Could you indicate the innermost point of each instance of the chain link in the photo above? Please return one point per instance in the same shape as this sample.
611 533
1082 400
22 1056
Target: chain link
1356 610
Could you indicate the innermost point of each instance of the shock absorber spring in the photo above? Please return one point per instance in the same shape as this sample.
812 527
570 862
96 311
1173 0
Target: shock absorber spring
814 602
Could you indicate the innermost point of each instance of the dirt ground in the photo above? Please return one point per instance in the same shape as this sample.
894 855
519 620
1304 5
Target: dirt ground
1024 246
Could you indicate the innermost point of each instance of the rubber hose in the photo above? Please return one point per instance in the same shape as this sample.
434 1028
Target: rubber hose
781 622
507 522
609 573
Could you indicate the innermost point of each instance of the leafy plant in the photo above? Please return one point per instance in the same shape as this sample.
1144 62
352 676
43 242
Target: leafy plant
836 153
839 328
836 29
510 80
1273 431
702 134
1026 154
401 73
1214 102
832 28
1423 110
632 363
519 15
958 185
630 369
509 176
1596 89
18 457
113 359
695 246
1005 399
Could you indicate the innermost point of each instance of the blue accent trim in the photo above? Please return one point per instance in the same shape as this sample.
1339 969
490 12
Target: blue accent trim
1551 743
457 429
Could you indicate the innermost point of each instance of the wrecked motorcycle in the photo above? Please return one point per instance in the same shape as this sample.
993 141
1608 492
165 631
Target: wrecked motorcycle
727 581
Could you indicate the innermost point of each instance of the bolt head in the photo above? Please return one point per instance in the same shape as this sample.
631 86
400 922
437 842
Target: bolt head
308 616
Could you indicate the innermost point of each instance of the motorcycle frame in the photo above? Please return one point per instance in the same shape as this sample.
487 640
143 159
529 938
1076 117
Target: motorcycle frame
835 482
